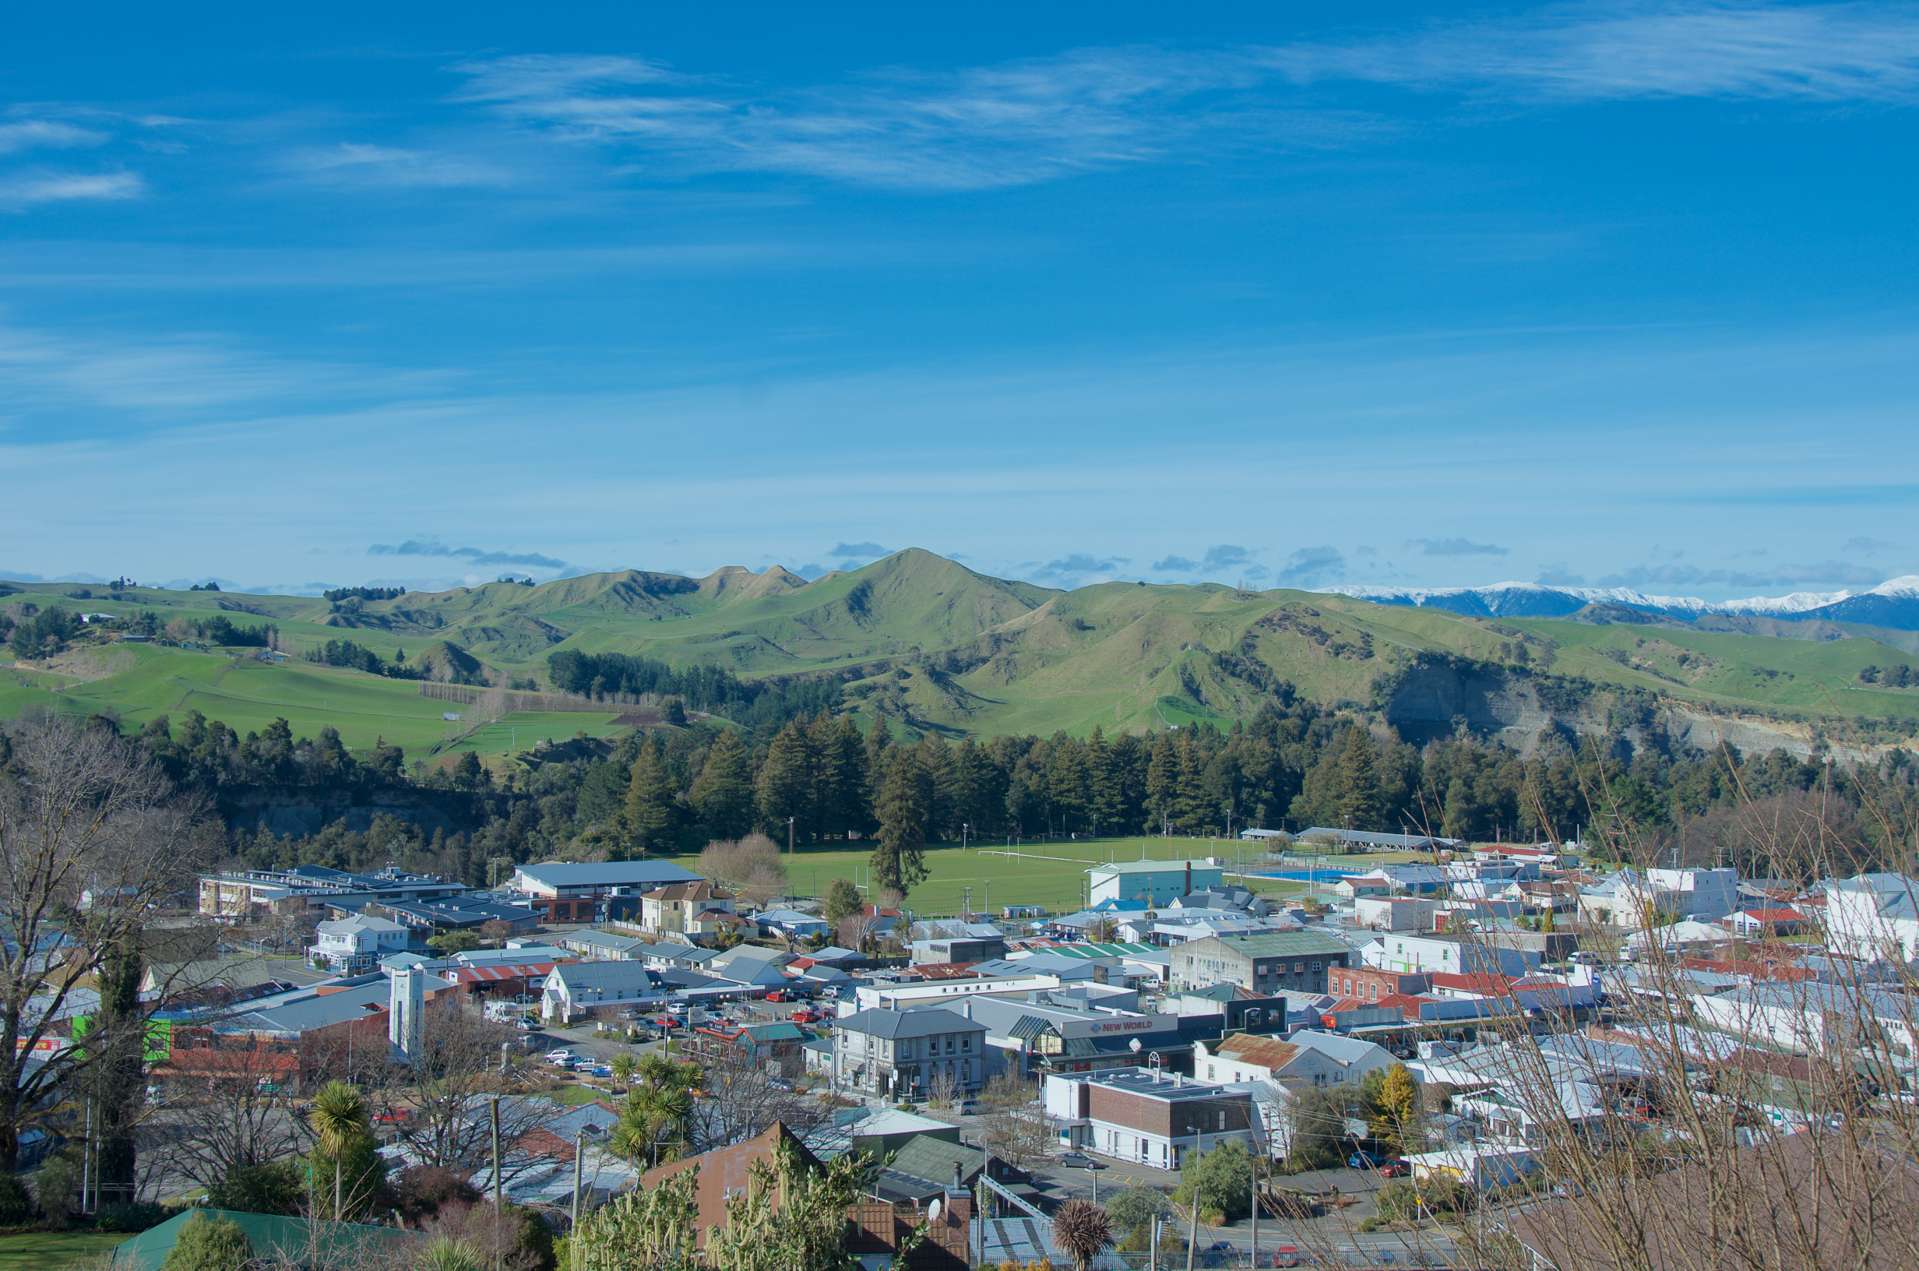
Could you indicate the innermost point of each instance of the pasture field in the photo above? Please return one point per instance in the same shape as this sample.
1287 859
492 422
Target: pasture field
1052 874
138 682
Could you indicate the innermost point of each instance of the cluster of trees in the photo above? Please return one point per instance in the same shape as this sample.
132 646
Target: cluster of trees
40 633
360 658
222 630
703 688
338 594
1901 676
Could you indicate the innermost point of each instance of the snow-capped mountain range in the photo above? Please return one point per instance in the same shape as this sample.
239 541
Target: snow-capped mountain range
1894 603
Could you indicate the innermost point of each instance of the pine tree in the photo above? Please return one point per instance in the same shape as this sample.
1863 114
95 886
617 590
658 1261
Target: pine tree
651 805
723 792
841 784
787 784
1358 801
879 746
1162 783
898 861
1106 805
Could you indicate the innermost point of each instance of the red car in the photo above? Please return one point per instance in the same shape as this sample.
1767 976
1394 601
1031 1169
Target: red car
1395 1169
806 1015
776 996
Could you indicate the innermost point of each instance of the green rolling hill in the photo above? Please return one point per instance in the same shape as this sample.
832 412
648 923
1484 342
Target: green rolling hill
929 644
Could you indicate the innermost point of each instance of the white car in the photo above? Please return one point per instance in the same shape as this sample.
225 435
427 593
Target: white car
557 1056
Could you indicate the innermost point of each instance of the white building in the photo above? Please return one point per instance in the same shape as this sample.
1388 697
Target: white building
1875 917
1394 913
1416 954
1632 900
1150 1118
352 945
1154 882
1307 1058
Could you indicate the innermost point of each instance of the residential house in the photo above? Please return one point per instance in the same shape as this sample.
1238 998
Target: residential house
774 1046
1306 1059
349 946
908 1054
694 909
1267 963
793 924
1762 921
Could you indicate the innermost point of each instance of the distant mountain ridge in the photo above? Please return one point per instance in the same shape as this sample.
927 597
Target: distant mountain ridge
931 645
1893 603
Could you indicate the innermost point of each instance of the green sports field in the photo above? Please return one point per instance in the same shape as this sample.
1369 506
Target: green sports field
1050 874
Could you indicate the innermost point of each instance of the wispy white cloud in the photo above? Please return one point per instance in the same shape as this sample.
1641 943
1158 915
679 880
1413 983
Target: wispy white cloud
347 164
46 134
1090 109
21 191
1824 52
974 128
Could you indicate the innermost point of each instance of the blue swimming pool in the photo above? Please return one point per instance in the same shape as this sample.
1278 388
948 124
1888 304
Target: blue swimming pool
1317 874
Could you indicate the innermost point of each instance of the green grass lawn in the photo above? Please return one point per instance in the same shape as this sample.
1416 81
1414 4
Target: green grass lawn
138 682
47 1250
1050 874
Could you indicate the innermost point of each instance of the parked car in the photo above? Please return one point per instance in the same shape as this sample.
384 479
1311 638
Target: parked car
806 1015
1363 1159
1079 1160
1220 1253
560 1057
1287 1256
1396 1169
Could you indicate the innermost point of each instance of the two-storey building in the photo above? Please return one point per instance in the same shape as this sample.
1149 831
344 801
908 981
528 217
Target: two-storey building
908 1054
1266 963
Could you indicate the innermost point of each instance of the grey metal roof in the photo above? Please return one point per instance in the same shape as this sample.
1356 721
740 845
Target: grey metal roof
606 873
927 1022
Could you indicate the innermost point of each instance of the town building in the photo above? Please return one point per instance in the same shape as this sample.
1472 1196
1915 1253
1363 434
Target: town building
1394 913
349 946
1154 882
1265 964
1306 1059
952 940
1371 984
908 1054
252 894
1874 917
566 891
1148 1117
574 990
694 909
1415 954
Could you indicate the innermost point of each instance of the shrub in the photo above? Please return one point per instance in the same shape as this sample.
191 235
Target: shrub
132 1217
1220 1182
208 1243
275 1188
16 1202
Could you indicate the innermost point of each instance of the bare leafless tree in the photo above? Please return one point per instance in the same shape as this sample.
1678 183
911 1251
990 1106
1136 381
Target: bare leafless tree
231 1109
741 1098
1013 1124
751 866
91 841
443 1098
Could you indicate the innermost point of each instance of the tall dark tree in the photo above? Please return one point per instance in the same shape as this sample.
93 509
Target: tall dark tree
841 785
723 792
787 784
652 810
1162 783
117 1079
899 863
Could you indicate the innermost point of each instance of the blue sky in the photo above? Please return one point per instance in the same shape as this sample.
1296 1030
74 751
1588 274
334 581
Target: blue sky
1285 294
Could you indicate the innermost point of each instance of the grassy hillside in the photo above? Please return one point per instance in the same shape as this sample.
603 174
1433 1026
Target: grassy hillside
928 643
138 682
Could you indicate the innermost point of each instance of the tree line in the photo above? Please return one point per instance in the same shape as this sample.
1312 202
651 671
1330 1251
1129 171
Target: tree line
711 689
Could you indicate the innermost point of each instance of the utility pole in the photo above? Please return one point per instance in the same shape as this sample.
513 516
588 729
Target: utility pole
494 1117
1256 1155
579 1155
1192 1233
1152 1247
